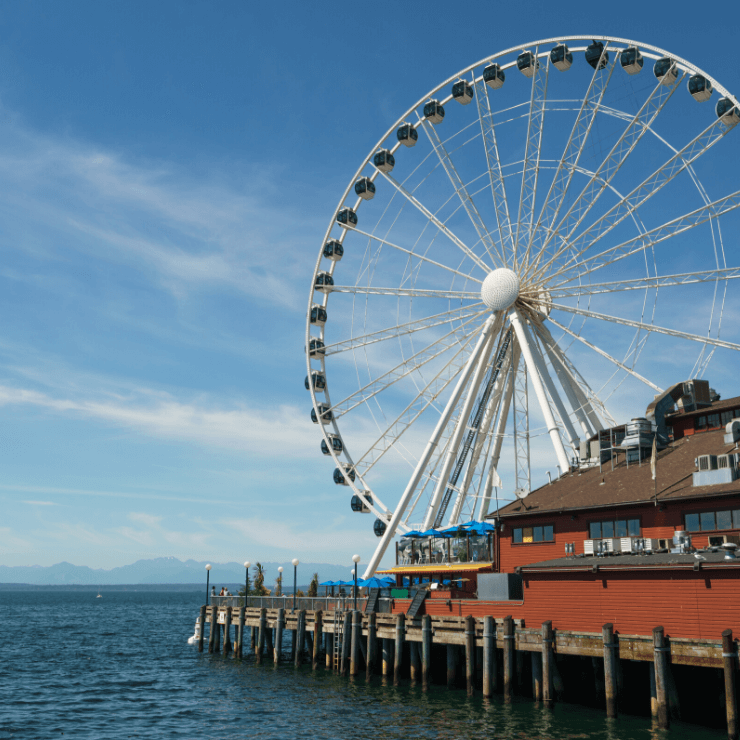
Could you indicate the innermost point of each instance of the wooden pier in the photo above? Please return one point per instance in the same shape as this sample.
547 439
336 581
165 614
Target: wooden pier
496 652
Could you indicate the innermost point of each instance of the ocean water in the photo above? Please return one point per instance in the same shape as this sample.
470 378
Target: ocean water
74 666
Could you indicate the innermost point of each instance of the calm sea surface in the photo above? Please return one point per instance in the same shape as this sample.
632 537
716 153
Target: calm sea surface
120 667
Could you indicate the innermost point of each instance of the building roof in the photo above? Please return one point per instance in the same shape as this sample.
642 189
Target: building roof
717 406
593 488
634 562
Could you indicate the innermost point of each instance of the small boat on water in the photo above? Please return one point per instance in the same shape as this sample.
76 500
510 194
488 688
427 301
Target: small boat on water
192 640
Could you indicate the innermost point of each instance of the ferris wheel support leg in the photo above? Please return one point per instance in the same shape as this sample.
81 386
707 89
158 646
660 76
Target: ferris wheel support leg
429 450
525 343
499 433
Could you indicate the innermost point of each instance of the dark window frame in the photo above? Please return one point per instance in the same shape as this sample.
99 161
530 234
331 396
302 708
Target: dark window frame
730 507
625 519
543 527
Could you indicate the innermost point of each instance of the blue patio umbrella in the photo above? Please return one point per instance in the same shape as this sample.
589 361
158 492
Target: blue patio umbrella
413 533
435 533
388 579
328 583
373 583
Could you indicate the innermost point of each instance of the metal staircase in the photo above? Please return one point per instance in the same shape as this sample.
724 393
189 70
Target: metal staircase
338 637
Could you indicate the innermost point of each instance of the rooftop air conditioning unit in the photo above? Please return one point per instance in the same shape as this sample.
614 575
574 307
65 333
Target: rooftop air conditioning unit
725 461
588 547
707 462
610 544
625 544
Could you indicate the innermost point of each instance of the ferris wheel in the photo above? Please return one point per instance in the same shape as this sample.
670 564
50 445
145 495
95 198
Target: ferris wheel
533 232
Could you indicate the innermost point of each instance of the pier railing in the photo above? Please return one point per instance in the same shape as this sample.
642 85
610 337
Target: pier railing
315 603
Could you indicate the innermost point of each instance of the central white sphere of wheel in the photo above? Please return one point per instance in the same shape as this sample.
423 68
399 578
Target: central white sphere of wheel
500 289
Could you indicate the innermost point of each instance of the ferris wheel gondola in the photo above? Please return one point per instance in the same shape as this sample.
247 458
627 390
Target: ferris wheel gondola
506 284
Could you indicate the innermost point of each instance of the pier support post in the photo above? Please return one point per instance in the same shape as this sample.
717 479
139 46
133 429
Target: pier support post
253 638
610 669
300 638
240 633
354 663
729 658
269 644
330 650
346 642
414 662
212 630
470 654
372 645
509 658
202 630
317 630
451 665
488 651
426 650
661 669
536 676
400 634
261 636
279 629
547 664
387 656
227 631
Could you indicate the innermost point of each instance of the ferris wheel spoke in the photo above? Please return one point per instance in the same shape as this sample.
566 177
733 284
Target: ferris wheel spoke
417 256
495 174
606 356
639 125
533 147
408 366
566 168
647 327
461 191
662 281
649 187
434 220
399 330
654 236
407 292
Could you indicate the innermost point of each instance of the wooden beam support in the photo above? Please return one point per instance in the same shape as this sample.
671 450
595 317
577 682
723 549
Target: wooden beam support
610 669
354 663
400 635
318 621
729 656
279 630
661 670
426 650
547 665
202 630
470 654
372 646
346 642
509 649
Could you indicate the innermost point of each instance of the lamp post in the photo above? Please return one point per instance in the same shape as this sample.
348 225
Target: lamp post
208 580
295 579
246 584
356 559
280 581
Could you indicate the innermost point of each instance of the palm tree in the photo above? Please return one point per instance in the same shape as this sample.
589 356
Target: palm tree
313 588
259 581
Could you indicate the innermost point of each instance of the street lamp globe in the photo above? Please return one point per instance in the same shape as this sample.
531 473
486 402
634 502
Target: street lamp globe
208 567
247 564
356 558
280 569
295 561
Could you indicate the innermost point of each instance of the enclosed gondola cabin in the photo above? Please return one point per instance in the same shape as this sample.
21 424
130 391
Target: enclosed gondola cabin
727 112
434 112
326 414
318 315
384 160
357 505
596 56
317 380
700 88
340 476
324 281
315 348
665 71
494 76
561 57
379 527
631 60
407 134
527 63
462 91
347 218
336 445
333 251
365 188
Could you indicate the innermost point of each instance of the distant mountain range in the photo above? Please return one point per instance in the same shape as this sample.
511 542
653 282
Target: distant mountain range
165 570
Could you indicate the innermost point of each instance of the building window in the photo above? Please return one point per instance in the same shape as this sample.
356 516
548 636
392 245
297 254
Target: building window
726 417
531 535
614 528
711 521
713 420
701 422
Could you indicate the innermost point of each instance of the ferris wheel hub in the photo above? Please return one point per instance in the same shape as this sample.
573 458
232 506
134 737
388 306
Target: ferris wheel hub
500 289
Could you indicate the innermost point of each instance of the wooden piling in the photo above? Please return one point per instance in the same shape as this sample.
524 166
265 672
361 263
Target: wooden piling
354 663
536 659
547 665
610 669
426 650
451 665
300 638
653 695
414 662
279 630
227 631
269 644
660 660
317 630
729 659
509 658
202 630
470 654
240 633
400 635
330 650
489 647
387 656
261 635
212 630
372 645
346 642
253 638
217 646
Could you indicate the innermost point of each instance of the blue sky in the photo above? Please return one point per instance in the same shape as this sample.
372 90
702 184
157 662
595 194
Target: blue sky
167 172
